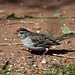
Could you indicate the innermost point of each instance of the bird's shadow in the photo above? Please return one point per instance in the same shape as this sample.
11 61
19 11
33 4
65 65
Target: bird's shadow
50 52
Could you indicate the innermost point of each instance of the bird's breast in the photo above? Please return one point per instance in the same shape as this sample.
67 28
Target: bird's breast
29 44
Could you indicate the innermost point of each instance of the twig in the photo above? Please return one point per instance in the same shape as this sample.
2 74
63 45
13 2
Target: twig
45 52
54 17
5 65
10 23
37 68
35 17
64 56
5 44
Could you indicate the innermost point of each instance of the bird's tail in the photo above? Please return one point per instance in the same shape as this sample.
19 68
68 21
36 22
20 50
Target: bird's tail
57 39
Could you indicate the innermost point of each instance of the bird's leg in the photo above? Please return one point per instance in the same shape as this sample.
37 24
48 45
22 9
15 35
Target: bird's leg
47 49
26 48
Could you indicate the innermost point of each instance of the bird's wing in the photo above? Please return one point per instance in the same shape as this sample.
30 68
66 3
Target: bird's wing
37 38
42 40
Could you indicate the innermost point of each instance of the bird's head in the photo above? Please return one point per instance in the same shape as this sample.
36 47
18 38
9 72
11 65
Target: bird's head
22 33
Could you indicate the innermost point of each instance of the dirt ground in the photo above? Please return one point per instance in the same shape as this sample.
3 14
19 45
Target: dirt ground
14 53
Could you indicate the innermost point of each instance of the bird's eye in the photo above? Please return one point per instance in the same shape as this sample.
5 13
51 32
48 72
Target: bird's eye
21 32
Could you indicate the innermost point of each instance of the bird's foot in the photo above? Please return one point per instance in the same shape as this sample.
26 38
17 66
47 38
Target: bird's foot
47 49
24 48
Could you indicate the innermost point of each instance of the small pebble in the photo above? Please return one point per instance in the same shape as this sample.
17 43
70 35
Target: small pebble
5 39
38 31
23 58
8 20
22 21
0 69
54 59
25 63
52 71
65 54
73 19
14 39
34 65
37 27
67 42
9 69
43 61
17 60
9 44
2 53
3 24
22 67
11 39
36 8
42 21
64 24
36 24
73 48
44 6
7 72
8 25
5 32
1 58
24 72
36 72
3 35
12 54
21 4
57 41
18 70
14 64
64 12
53 46
11 65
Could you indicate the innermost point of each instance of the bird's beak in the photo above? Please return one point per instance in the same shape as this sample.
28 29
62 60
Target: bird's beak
16 33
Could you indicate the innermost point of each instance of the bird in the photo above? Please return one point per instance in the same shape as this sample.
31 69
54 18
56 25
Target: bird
37 41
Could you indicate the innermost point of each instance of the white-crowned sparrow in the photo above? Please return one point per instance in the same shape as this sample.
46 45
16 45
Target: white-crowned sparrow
38 42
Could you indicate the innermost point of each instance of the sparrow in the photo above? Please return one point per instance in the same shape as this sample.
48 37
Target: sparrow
39 42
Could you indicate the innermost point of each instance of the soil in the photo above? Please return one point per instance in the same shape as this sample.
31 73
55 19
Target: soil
21 57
